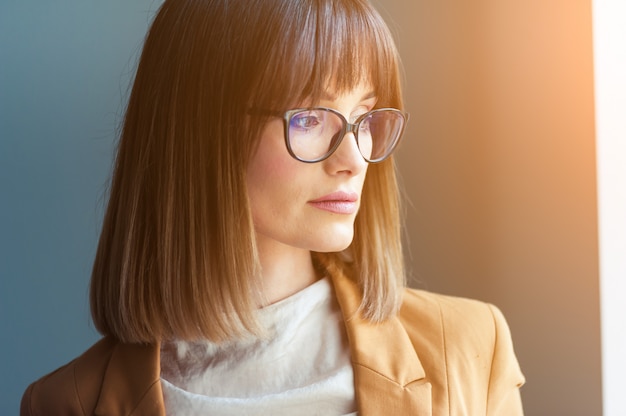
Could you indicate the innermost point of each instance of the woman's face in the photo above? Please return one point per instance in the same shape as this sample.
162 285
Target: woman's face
310 206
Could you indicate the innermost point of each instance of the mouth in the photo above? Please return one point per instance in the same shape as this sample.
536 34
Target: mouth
339 202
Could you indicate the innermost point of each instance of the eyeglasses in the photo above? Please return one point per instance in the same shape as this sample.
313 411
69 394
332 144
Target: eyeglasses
313 134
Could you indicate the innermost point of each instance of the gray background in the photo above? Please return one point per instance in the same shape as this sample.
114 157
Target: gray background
65 68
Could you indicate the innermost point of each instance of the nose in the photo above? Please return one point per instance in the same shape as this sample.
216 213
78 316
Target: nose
347 158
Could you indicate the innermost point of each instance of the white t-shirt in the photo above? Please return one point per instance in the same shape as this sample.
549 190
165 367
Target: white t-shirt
302 368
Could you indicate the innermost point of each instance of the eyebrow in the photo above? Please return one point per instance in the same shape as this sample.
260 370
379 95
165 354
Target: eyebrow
369 95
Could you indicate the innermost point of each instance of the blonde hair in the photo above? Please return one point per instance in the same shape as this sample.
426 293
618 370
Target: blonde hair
176 256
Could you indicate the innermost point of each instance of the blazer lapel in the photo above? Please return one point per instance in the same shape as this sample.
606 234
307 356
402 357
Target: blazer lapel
389 377
132 384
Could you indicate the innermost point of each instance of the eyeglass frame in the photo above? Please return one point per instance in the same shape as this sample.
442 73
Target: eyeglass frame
347 128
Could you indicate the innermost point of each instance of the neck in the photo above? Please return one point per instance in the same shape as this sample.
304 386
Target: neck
286 270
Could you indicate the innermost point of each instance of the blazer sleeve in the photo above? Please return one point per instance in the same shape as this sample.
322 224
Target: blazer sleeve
506 377
54 394
72 389
25 404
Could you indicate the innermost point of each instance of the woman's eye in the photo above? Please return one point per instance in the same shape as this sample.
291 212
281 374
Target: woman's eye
305 121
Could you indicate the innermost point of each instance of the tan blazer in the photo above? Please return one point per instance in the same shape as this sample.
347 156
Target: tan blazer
440 356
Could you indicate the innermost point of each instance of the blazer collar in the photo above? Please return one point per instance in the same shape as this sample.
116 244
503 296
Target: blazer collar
389 377
131 383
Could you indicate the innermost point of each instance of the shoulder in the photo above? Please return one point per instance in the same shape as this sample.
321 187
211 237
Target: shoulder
73 388
466 348
451 313
459 325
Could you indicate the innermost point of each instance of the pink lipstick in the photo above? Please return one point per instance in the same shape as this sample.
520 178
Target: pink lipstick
338 202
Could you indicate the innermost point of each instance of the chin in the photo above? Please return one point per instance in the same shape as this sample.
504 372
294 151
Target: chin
334 242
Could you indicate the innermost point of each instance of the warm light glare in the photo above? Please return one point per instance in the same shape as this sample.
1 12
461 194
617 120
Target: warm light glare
610 87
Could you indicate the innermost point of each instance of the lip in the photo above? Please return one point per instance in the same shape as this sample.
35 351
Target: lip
339 202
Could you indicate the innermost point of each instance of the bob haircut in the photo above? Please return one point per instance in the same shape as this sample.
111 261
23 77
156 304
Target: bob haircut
177 255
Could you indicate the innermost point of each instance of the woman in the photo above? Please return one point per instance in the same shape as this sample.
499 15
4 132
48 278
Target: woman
250 258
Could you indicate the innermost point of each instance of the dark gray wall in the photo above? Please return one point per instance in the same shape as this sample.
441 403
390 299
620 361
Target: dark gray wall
65 67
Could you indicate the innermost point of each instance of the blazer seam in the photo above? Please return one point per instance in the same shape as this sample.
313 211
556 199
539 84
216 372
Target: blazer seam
143 396
30 401
445 355
493 355
80 403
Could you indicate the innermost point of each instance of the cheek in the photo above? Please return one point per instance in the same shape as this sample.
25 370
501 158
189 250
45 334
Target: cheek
271 176
266 167
267 170
271 158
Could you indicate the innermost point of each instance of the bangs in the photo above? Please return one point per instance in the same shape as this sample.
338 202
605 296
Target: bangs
323 46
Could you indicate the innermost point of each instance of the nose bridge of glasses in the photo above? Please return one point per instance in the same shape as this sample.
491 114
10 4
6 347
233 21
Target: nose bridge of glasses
352 128
345 128
353 145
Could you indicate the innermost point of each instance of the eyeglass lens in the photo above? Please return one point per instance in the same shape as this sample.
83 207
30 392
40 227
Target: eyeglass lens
313 134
